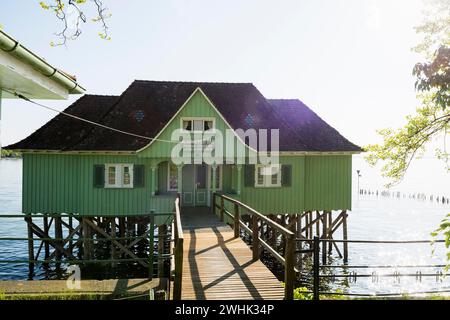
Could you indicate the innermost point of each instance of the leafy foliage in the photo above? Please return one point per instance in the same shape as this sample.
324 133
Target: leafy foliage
444 229
401 146
72 28
432 119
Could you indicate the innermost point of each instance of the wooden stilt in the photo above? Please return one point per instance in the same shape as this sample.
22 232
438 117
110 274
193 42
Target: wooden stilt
86 239
344 235
122 229
30 248
307 221
330 221
317 223
298 234
46 245
113 237
58 236
70 230
324 236
162 233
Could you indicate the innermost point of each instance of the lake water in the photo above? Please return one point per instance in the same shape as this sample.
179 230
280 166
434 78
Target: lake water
372 218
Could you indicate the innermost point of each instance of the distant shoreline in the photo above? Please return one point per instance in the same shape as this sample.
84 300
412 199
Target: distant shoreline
7 154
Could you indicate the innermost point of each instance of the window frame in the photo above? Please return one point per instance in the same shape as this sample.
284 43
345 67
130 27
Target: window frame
169 164
119 176
267 179
203 119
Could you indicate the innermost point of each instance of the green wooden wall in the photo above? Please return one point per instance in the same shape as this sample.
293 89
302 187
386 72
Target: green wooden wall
328 182
64 184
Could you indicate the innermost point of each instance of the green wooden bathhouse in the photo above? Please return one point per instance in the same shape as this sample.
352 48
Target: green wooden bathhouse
71 166
108 161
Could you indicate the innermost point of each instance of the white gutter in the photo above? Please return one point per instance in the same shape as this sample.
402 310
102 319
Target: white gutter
20 52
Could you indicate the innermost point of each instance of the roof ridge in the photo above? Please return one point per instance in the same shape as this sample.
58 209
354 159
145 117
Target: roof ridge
191 82
100 95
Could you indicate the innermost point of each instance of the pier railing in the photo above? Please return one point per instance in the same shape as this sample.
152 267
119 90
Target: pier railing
64 247
178 247
257 220
317 269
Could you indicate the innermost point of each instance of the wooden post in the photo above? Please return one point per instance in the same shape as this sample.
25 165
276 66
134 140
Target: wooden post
70 230
300 243
255 237
329 231
214 203
289 271
151 249
324 236
236 221
130 230
344 236
30 248
86 232
162 232
177 285
222 208
46 244
122 229
317 223
113 236
307 235
316 270
58 235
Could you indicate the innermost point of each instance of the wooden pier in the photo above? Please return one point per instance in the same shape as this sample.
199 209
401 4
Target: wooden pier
217 265
109 288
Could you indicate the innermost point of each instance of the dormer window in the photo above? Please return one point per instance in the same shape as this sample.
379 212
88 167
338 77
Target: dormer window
197 124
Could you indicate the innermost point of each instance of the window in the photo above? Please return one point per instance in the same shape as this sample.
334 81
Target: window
268 176
172 176
119 176
197 124
218 178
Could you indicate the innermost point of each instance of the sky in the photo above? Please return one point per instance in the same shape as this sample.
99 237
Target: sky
349 60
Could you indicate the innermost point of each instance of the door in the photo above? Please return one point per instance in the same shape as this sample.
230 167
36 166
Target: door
201 174
188 185
194 185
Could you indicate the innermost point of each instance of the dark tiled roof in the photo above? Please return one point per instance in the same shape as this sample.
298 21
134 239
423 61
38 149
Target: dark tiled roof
62 132
315 133
146 106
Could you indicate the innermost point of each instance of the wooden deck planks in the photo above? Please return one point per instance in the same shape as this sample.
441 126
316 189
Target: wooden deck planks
218 266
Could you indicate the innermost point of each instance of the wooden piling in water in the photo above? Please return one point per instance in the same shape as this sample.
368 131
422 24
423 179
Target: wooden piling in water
87 248
324 235
30 247
46 244
113 237
162 234
70 230
344 235
329 231
58 236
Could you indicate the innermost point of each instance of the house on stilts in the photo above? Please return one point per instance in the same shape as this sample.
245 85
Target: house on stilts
107 176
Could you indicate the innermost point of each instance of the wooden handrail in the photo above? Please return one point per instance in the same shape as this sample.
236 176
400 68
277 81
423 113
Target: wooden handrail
287 260
178 252
279 227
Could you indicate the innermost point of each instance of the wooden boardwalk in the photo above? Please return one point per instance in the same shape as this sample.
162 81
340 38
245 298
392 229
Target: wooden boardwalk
218 266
